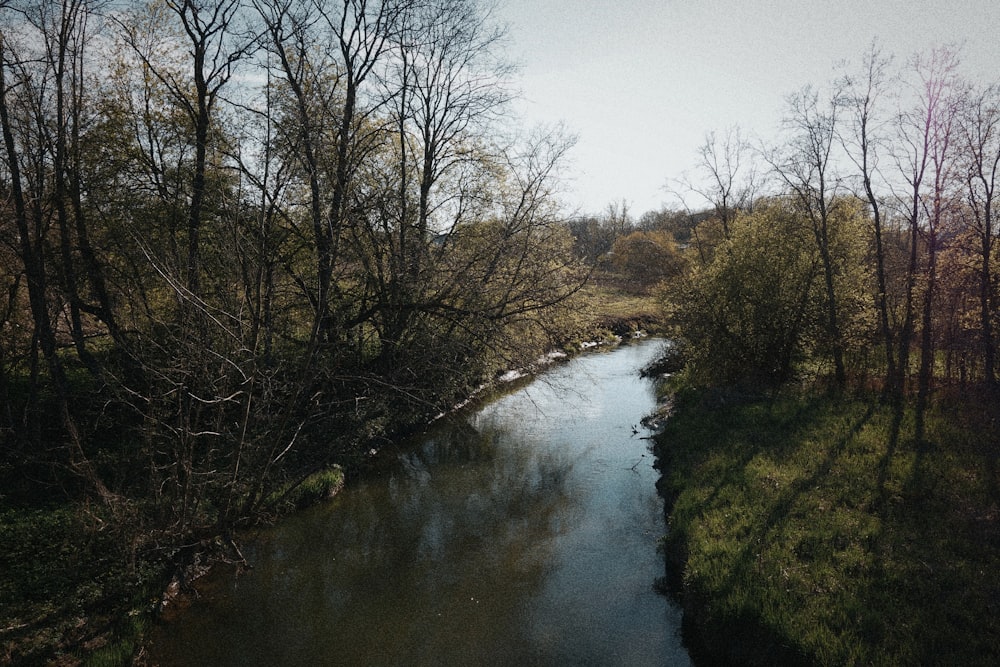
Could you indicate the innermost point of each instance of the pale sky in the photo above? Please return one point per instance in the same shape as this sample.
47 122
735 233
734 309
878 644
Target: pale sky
641 82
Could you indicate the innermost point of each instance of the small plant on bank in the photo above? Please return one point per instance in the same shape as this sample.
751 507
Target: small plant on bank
312 489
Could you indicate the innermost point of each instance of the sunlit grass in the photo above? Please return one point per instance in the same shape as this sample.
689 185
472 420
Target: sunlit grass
607 301
318 486
598 312
811 528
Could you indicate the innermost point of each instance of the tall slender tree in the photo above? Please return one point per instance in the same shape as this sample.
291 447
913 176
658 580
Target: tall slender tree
215 50
864 97
925 136
980 150
25 140
806 169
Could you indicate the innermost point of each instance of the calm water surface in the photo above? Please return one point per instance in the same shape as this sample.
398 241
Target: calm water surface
523 533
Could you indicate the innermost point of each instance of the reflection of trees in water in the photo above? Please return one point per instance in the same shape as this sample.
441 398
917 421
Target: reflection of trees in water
502 503
448 549
446 555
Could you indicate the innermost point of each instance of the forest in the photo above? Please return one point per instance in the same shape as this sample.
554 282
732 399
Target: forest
232 229
246 242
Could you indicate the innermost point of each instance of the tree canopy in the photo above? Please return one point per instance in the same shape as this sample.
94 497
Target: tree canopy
245 239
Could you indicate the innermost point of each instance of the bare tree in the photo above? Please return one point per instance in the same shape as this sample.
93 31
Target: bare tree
457 82
807 170
938 208
61 29
363 32
729 178
863 98
449 84
980 146
617 219
215 51
26 154
313 83
924 139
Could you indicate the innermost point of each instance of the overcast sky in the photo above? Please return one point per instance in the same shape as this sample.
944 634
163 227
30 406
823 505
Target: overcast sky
640 82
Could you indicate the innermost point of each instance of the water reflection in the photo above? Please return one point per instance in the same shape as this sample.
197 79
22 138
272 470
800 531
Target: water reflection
522 534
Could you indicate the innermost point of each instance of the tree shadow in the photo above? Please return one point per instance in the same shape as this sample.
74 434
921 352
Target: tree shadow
892 446
749 640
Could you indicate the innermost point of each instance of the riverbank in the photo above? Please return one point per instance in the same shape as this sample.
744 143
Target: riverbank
521 531
807 529
74 588
72 595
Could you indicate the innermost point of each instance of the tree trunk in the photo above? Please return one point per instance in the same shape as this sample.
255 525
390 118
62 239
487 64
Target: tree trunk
927 337
35 274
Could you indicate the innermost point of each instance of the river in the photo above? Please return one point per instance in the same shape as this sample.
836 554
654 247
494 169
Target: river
522 532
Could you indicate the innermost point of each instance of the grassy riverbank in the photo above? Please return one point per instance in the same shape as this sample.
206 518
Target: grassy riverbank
814 530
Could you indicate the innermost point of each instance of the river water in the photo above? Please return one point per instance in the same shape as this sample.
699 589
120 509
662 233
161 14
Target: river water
523 532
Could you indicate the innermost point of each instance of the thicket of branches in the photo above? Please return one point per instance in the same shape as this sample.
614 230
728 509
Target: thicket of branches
862 246
243 239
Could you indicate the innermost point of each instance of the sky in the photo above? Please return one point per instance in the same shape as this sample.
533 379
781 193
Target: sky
641 82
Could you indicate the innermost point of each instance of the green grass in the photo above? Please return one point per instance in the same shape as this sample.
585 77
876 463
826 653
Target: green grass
600 311
813 529
67 589
122 645
315 488
607 301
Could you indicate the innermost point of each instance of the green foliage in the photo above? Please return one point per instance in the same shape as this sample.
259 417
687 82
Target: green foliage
247 294
814 529
65 581
853 279
123 644
599 311
755 312
646 258
743 318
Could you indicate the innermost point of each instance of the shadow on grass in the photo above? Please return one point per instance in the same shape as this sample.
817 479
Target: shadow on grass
752 639
816 531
